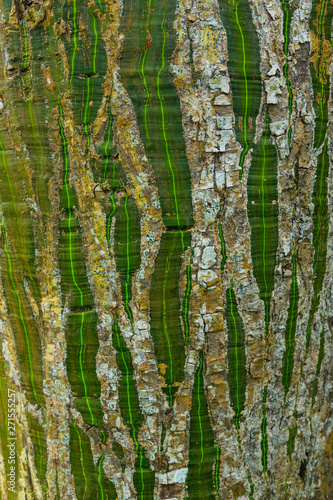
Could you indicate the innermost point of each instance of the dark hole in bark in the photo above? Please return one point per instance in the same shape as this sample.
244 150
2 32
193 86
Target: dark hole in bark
302 469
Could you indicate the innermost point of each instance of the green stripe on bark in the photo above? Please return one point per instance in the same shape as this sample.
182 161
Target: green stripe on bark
244 69
217 471
127 247
186 304
19 232
82 348
81 328
57 486
218 452
165 310
291 441
319 363
15 209
236 356
288 358
146 75
107 165
87 60
223 251
38 439
286 33
41 114
264 431
144 477
32 106
90 479
25 330
7 412
116 180
106 487
263 217
202 452
163 433
320 233
320 25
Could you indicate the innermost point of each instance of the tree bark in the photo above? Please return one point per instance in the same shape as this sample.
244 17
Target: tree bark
166 289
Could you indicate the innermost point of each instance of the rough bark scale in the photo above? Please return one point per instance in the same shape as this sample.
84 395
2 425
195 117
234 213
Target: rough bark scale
88 145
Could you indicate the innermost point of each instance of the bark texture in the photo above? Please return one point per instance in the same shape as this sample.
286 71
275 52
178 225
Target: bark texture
166 285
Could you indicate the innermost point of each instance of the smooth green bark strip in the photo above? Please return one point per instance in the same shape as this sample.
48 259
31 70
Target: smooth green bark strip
244 69
202 452
236 356
165 310
288 358
264 432
320 25
106 487
263 217
217 471
6 417
90 479
37 113
127 247
81 328
163 120
291 441
74 45
38 438
320 234
186 304
143 70
144 477
70 230
223 251
321 354
16 210
20 252
26 335
107 165
146 75
286 33
87 61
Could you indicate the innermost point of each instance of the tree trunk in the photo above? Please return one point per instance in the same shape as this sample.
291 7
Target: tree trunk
166 249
